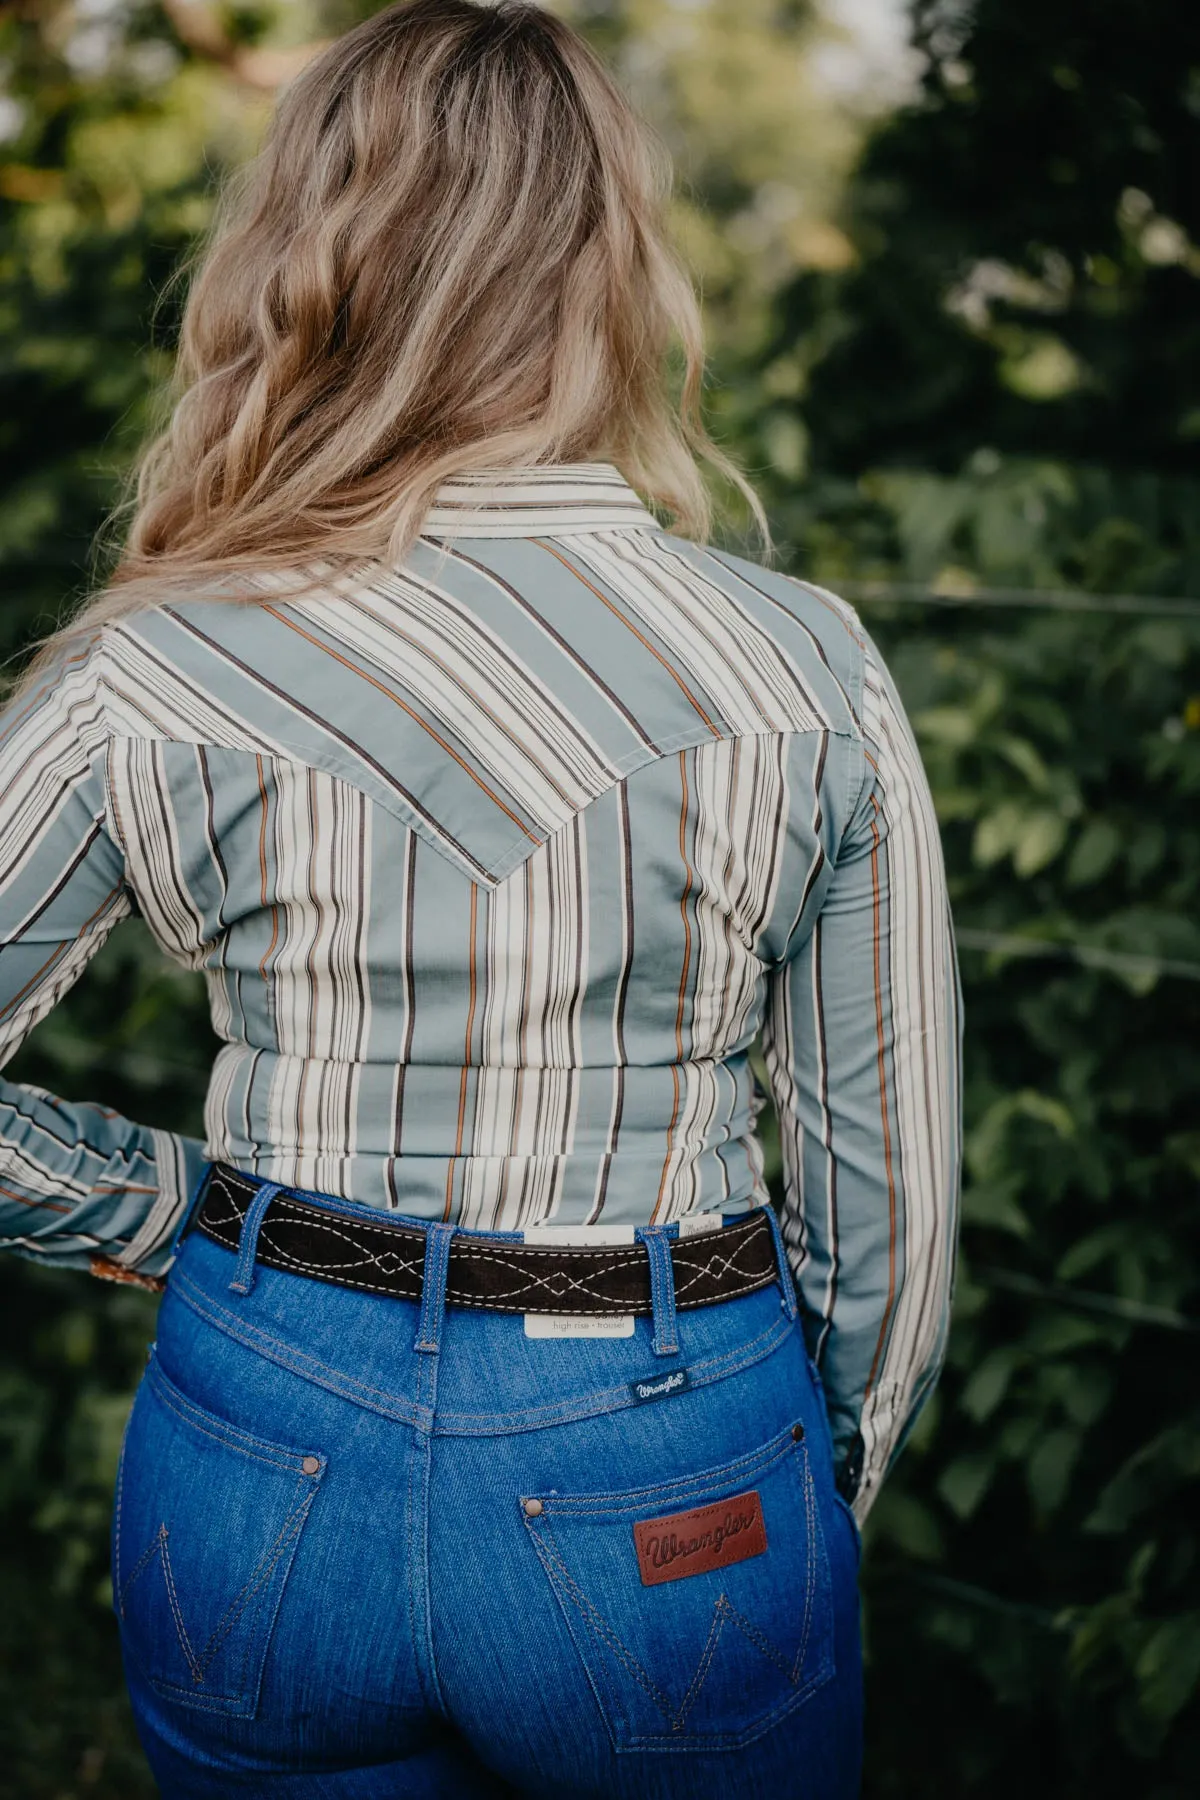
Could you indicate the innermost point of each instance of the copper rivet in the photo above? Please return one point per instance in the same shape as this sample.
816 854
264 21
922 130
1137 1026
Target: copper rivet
797 1432
532 1508
311 1464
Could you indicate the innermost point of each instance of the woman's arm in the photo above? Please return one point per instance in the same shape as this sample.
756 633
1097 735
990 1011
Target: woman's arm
80 1186
863 1044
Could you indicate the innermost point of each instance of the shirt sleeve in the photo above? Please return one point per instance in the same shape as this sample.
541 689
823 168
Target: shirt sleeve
863 1045
80 1187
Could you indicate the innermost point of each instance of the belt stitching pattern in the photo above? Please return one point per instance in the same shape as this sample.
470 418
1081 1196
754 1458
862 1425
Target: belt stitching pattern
556 1285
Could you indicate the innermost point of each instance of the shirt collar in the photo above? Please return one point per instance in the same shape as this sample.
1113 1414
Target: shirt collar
533 500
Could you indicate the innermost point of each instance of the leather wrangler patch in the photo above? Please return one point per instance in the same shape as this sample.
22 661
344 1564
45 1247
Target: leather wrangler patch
696 1542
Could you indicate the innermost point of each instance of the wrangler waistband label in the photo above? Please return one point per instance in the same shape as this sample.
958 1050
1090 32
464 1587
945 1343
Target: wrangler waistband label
693 1543
655 1387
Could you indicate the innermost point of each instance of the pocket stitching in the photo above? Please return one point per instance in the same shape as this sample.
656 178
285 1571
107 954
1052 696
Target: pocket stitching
705 1663
586 1606
185 1642
139 1565
752 1465
228 1437
810 1521
241 1600
176 1402
291 1529
723 1611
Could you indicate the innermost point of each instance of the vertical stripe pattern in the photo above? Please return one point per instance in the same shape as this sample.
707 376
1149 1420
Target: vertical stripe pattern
495 866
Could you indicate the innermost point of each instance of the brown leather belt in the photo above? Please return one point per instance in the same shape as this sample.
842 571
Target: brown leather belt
502 1275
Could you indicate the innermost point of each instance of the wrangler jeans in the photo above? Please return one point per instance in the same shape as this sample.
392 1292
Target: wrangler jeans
494 1565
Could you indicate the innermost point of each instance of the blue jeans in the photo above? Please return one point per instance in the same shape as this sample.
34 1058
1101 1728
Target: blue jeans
344 1565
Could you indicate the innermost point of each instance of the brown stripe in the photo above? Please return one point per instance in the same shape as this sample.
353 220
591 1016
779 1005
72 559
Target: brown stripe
443 743
568 649
885 1322
629 626
25 1200
262 870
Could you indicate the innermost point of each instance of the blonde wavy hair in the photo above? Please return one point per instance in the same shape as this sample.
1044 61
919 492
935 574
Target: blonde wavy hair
450 254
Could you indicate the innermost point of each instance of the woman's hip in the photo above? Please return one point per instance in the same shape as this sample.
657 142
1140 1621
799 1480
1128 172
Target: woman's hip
331 1542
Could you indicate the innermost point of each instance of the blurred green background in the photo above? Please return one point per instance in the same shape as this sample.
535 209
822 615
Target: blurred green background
950 259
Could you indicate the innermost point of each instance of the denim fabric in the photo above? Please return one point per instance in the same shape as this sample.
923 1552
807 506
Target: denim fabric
370 1547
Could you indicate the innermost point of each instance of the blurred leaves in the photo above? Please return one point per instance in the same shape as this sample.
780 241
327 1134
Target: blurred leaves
1056 1619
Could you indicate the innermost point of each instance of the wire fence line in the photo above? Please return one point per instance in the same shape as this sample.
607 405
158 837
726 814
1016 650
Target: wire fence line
1075 600
1120 962
1088 1300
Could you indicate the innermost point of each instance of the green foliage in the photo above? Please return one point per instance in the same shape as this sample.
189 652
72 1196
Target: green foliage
1000 396
1056 1479
981 375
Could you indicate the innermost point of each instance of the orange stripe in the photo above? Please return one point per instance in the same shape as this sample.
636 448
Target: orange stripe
414 716
24 1200
683 979
262 869
887 1130
685 896
617 614
466 1068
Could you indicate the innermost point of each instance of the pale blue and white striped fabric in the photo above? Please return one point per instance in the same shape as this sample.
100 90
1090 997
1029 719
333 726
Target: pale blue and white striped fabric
495 865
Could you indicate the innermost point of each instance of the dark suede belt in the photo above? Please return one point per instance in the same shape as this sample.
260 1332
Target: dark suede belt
501 1275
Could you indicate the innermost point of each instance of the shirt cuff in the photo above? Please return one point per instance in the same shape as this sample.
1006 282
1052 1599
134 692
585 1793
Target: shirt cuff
180 1163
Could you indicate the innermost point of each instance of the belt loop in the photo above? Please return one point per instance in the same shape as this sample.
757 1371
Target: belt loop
252 1218
433 1286
665 1341
787 1280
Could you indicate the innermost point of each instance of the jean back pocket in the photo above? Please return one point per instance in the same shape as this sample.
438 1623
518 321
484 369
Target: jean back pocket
701 1608
205 1526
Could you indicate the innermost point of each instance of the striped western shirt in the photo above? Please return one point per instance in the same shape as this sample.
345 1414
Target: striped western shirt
496 864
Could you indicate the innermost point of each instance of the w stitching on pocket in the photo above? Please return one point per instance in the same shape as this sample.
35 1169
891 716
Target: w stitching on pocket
237 1606
209 1429
138 1566
724 1612
624 1656
810 1525
266 1568
185 1642
703 1666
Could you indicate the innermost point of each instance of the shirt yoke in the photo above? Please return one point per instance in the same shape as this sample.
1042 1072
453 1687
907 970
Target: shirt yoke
493 687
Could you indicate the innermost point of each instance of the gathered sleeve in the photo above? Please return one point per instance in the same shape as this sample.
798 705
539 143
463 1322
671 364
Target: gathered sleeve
863 1043
80 1186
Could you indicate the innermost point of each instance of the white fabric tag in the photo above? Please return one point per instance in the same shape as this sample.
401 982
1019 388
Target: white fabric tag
576 1325
579 1234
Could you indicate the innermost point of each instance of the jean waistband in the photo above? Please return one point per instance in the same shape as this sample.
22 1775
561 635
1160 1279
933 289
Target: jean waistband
323 1238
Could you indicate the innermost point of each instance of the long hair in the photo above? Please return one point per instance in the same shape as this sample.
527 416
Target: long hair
451 253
